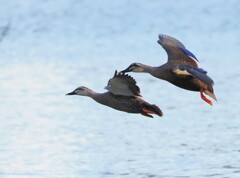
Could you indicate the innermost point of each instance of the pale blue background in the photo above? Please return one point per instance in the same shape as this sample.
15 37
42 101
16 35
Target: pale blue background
53 47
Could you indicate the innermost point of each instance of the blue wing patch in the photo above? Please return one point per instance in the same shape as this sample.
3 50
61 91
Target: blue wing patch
188 53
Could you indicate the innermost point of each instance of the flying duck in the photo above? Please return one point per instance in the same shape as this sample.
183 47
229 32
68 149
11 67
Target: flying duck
123 94
182 69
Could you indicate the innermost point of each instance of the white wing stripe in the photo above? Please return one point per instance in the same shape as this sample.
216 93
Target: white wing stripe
181 72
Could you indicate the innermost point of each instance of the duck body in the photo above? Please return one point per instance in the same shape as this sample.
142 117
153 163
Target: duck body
129 104
187 82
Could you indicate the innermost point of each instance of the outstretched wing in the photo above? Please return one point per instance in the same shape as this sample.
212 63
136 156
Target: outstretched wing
176 51
123 84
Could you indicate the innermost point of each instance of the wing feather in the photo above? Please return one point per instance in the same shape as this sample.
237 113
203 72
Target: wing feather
198 73
201 76
123 84
176 51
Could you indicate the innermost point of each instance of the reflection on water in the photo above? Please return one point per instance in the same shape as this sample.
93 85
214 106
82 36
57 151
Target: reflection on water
46 134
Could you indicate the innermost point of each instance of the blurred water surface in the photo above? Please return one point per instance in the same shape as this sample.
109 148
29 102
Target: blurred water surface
52 47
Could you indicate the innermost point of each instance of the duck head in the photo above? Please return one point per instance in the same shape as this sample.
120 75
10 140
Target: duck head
80 91
134 67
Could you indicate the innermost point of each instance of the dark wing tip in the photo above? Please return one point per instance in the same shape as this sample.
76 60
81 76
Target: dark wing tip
125 77
166 40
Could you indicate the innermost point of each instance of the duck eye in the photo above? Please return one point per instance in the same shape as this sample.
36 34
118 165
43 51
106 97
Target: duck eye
135 65
80 88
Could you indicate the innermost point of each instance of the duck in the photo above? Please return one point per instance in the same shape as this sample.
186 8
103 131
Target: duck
122 94
182 69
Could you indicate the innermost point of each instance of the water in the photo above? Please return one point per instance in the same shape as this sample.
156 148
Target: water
53 47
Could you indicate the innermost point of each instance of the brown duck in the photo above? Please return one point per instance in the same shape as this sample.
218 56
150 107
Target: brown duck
182 69
123 95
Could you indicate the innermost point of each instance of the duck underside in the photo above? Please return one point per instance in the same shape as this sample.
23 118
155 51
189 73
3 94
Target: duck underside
130 105
190 83
193 84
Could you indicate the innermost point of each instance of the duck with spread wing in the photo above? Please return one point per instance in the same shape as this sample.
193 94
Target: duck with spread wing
182 69
123 95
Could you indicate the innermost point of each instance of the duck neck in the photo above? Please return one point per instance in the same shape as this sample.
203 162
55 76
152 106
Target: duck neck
154 71
90 93
160 72
98 97
146 69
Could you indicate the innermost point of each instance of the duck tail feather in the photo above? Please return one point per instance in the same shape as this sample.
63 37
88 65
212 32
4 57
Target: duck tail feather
151 109
211 94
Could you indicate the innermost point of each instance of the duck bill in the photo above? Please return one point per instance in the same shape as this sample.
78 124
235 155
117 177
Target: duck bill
210 94
126 70
71 93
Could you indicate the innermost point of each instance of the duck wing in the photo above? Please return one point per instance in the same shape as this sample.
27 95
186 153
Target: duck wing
123 84
196 72
176 51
